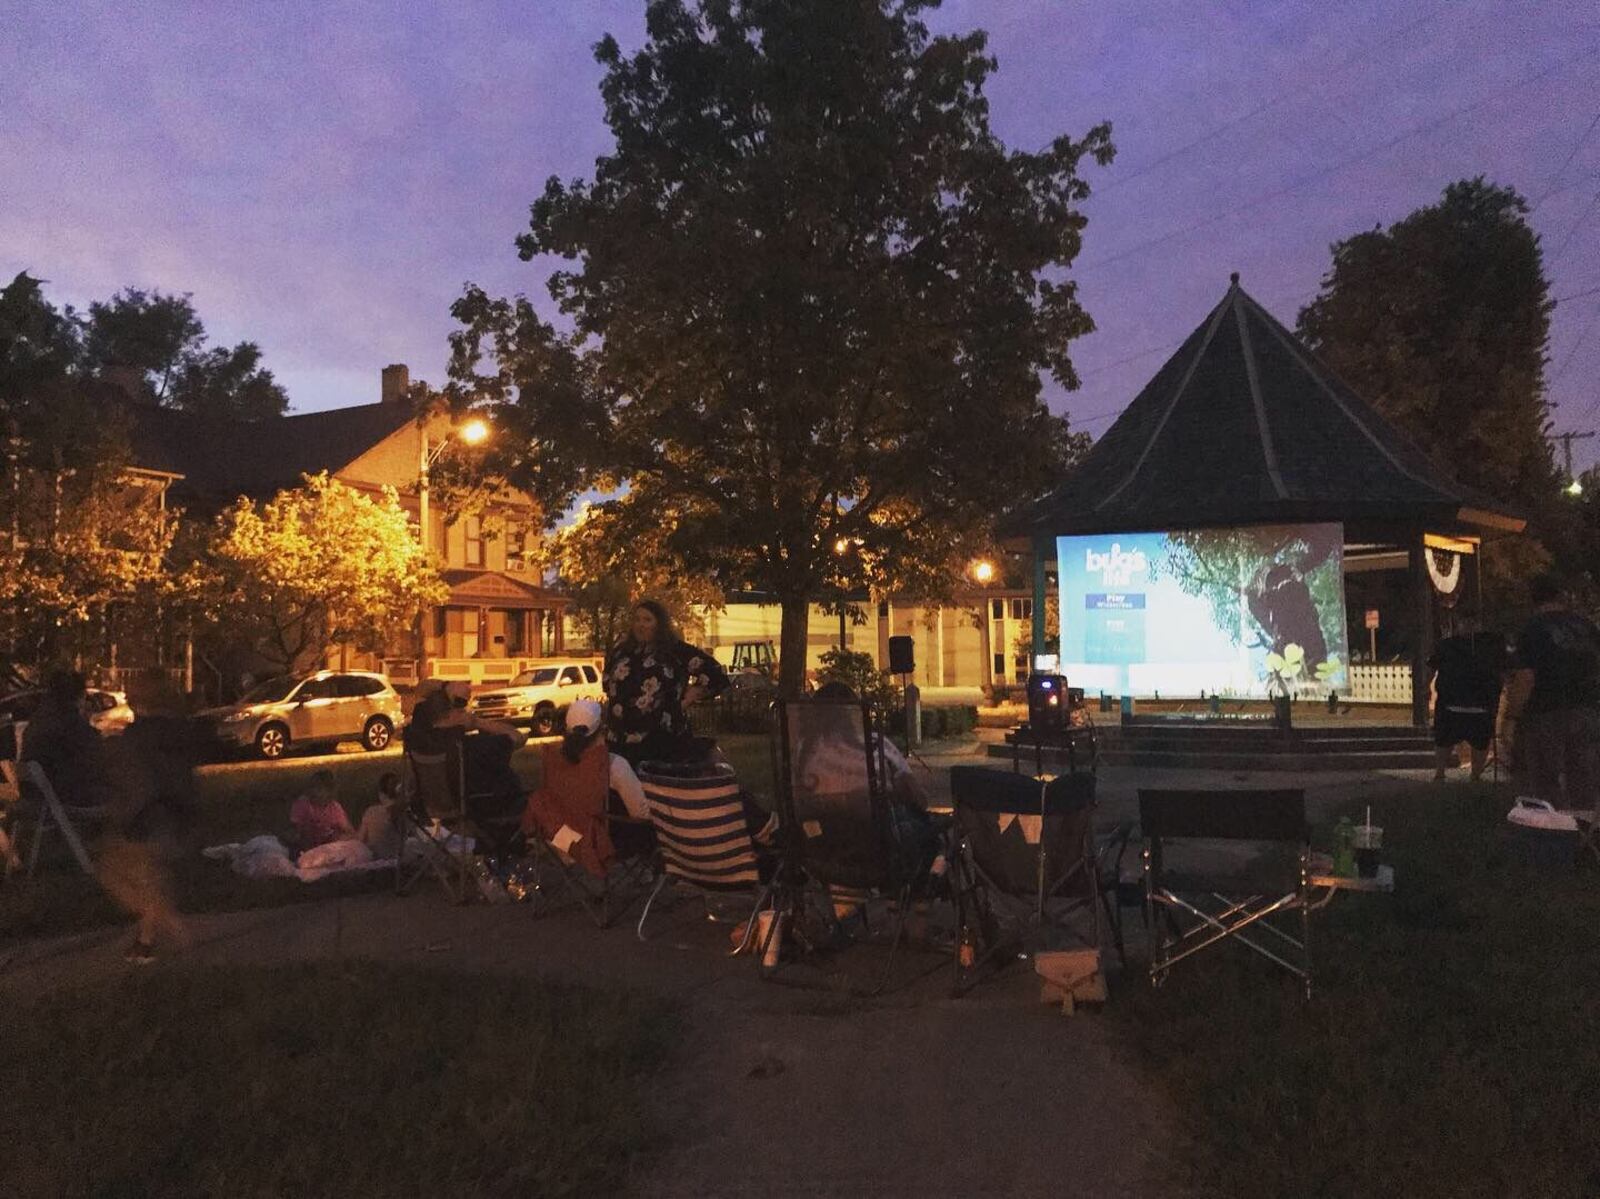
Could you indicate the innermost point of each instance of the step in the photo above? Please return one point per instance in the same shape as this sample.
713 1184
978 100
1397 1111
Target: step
1312 761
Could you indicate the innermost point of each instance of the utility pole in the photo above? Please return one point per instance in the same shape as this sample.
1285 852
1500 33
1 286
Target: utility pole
1566 440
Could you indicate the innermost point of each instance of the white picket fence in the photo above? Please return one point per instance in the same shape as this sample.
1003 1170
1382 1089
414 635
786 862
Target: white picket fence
1383 684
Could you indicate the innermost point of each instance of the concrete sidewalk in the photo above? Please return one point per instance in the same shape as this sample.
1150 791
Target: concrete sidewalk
779 1088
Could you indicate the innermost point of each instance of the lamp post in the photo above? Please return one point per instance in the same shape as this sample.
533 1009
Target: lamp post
472 432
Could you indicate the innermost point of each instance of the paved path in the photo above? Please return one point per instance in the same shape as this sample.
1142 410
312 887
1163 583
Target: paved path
779 1089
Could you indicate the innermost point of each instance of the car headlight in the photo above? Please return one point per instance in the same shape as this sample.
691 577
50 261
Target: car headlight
235 717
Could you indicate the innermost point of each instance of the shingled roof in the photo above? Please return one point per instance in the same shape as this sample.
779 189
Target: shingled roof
1244 426
224 458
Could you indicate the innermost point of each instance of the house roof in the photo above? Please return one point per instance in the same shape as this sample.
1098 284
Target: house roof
1244 426
494 589
220 457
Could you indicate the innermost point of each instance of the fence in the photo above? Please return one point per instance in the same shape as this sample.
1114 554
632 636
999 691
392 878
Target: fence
1382 684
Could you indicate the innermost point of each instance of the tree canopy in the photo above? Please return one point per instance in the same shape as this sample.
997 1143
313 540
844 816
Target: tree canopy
317 566
811 297
1442 321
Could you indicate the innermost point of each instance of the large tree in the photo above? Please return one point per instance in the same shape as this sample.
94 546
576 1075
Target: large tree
811 299
156 343
317 567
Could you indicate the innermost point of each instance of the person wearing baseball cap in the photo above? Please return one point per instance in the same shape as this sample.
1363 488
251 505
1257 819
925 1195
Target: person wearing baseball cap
585 723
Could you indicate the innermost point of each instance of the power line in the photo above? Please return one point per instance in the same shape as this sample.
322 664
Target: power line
1554 179
1576 225
1340 165
1273 102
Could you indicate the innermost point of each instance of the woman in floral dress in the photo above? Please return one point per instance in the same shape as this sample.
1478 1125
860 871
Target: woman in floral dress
652 678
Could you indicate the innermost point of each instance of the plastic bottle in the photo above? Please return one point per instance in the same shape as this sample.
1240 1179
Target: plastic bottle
1344 839
967 954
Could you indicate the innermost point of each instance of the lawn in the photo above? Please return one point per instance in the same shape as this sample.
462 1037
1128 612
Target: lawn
344 1078
1452 1049
241 799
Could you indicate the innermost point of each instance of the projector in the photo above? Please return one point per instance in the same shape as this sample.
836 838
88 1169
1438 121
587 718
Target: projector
1048 702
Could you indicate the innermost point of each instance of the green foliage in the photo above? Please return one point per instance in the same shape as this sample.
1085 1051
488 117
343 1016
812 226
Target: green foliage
803 271
341 1077
315 567
157 341
859 672
1442 322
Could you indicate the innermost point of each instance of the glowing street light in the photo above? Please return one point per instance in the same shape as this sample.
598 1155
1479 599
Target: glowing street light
983 570
474 432
1574 489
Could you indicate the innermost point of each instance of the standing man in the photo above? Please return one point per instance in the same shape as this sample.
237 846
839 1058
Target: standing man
1555 701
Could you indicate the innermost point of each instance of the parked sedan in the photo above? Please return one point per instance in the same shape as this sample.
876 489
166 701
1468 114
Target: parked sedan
316 709
108 712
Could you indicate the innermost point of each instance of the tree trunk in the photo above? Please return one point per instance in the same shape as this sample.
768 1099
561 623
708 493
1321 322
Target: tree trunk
792 647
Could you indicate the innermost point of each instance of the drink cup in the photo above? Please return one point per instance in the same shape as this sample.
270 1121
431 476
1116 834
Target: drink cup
1368 841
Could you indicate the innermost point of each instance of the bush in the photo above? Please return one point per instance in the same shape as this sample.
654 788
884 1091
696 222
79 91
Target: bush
860 673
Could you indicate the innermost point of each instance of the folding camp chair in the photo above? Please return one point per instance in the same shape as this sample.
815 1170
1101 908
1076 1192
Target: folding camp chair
1025 863
53 813
704 840
836 828
434 821
601 860
1227 904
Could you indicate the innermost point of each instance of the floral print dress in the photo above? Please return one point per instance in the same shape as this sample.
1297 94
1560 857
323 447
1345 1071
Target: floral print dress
645 684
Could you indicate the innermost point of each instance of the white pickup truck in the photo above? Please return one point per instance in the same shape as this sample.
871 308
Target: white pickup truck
539 697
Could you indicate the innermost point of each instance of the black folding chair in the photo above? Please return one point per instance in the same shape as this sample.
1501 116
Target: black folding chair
54 813
838 838
434 828
1025 863
1200 902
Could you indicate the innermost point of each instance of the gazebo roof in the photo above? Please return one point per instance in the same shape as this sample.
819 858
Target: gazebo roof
1243 426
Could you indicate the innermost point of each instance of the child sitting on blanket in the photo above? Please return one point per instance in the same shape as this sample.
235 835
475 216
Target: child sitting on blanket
317 816
380 823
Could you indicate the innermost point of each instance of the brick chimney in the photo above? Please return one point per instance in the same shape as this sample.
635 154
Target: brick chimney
396 382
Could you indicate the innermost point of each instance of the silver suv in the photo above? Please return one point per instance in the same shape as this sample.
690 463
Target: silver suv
322 708
538 697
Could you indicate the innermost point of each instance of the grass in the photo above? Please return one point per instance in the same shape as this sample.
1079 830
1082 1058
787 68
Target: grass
345 1078
239 800
1452 1048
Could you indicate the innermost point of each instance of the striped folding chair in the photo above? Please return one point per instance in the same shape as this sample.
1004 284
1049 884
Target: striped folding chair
703 838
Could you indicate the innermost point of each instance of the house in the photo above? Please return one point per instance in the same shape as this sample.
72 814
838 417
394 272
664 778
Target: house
499 615
976 640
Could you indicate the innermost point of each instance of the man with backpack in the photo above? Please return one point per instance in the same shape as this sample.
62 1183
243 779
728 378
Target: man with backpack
1555 701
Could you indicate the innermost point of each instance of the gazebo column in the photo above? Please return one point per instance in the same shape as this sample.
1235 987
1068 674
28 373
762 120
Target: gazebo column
1041 547
1422 648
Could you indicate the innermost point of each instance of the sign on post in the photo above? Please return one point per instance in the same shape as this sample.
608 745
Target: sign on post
1372 634
1372 618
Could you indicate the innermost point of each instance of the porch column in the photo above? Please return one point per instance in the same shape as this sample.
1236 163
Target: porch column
1422 648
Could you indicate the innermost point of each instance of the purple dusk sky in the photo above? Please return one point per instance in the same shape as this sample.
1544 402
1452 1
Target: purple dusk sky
324 177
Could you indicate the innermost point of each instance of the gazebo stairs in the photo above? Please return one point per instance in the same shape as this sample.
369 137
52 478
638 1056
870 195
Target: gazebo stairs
1246 747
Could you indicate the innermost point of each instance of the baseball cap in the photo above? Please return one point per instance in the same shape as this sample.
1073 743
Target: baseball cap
583 716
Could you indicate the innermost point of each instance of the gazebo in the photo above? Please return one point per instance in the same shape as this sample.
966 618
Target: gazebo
1244 427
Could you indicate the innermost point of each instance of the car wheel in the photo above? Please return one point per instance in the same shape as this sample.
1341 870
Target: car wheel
545 721
272 742
378 733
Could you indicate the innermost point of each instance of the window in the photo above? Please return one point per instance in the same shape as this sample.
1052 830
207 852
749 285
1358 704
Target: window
472 527
1022 609
541 677
997 608
319 689
591 675
516 547
999 664
358 686
1021 664
570 677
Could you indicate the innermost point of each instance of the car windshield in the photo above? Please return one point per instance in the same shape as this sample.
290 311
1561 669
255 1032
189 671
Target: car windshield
271 691
542 677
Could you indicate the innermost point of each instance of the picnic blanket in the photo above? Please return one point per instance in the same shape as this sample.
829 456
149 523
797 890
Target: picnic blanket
268 857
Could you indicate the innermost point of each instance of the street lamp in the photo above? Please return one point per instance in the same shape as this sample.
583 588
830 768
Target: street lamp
983 571
474 431
1574 489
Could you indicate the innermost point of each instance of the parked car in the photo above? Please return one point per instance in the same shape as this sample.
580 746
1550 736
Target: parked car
108 711
314 709
540 697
